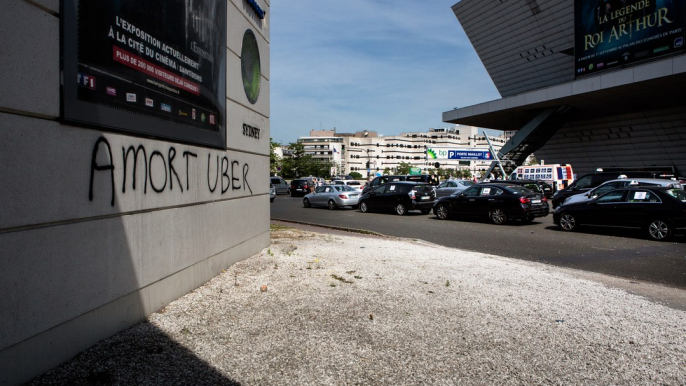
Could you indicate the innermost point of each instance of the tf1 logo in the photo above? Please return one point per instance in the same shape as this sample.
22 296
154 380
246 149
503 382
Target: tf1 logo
85 81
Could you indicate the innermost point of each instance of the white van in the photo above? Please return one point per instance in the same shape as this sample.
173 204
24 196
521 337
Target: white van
558 175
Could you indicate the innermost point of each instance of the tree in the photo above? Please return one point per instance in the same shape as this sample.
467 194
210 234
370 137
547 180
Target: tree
403 168
356 175
274 159
298 164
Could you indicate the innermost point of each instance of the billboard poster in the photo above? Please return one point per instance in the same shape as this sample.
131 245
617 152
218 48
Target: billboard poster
459 154
614 33
151 66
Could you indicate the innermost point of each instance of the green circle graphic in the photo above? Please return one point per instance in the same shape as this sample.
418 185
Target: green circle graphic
250 66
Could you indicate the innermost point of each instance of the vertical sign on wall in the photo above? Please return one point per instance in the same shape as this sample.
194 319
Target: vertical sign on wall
614 33
156 67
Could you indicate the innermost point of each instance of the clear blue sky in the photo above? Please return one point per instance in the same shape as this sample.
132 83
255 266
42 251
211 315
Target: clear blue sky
389 66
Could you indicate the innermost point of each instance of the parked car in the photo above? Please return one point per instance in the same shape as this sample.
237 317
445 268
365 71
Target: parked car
381 180
656 210
282 187
591 180
496 202
332 196
400 197
353 183
300 187
446 188
620 183
272 193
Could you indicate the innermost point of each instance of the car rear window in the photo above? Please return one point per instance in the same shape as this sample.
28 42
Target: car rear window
519 190
299 182
353 183
422 188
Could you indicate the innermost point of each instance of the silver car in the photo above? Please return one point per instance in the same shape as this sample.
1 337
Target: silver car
620 183
446 188
282 187
332 197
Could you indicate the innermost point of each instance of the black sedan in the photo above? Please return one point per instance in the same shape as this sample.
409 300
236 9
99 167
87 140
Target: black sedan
497 202
657 210
400 197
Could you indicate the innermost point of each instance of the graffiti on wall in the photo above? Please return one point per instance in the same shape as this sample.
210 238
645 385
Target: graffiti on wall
165 169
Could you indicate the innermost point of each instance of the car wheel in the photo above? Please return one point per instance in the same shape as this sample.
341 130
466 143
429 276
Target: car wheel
288 191
498 216
306 203
425 211
568 222
659 230
332 205
442 212
400 209
271 200
363 207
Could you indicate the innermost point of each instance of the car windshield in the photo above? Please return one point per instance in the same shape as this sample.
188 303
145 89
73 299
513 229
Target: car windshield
344 188
678 194
467 183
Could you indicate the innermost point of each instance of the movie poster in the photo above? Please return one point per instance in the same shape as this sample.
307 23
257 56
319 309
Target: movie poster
614 33
161 59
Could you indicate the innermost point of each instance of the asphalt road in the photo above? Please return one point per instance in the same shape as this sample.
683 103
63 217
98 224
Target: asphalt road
619 252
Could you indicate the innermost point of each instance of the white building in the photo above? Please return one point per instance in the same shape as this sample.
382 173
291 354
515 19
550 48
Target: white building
350 152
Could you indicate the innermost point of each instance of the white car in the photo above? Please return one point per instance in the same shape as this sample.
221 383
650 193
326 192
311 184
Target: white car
620 183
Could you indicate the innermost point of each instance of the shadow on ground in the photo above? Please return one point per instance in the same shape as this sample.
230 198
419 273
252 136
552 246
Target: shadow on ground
141 355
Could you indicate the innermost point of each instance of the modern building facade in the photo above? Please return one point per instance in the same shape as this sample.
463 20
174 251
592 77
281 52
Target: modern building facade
133 161
351 151
595 84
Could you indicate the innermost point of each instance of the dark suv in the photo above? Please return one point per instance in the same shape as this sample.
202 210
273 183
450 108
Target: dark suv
300 187
400 197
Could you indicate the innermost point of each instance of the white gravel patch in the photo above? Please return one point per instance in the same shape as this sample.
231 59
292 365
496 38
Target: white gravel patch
346 310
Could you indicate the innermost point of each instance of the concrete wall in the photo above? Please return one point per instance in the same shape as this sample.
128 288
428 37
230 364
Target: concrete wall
650 138
76 269
520 42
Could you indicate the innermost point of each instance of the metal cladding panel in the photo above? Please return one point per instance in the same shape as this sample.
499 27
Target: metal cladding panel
520 41
651 138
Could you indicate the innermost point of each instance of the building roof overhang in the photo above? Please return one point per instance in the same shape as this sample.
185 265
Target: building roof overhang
660 84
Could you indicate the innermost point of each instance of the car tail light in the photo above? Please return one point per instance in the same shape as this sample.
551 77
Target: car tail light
343 196
544 199
412 194
524 200
305 186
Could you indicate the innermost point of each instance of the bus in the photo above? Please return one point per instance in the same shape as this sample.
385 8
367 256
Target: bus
559 176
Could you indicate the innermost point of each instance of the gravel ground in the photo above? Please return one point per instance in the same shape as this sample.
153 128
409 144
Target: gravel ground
318 309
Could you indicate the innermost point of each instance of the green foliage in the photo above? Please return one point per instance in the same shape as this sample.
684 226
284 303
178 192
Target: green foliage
403 168
356 175
274 159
